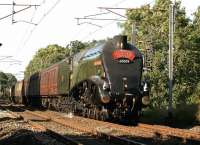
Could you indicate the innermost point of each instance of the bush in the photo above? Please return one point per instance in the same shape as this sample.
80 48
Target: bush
183 115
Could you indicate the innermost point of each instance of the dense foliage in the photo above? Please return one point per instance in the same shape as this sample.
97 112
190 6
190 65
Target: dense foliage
7 80
45 57
152 32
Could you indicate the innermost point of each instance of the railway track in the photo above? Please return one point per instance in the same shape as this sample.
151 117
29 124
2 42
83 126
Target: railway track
49 132
95 137
184 134
114 132
54 134
143 130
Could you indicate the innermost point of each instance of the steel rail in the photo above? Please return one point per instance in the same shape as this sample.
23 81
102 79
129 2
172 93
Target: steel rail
159 131
95 133
47 131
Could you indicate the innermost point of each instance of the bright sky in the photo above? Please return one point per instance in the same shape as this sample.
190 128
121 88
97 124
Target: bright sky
21 40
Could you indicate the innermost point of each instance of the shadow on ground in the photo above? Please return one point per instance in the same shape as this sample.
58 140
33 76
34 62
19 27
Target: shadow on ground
28 137
184 116
12 108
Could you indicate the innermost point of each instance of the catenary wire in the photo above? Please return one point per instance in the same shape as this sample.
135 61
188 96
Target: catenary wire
42 18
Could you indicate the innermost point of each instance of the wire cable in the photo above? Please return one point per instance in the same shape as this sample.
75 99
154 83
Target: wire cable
42 18
27 29
91 33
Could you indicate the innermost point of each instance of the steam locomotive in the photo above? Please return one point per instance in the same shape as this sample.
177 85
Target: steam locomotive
104 83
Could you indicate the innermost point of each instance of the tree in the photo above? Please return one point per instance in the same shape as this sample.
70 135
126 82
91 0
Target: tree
11 80
3 79
152 25
3 83
46 57
194 45
76 46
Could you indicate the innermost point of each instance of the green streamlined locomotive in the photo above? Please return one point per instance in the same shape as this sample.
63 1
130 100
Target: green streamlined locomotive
103 82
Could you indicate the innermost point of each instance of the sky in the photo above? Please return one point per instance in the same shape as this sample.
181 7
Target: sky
56 24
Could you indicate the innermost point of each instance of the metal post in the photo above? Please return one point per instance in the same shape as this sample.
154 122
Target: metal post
133 38
13 12
171 31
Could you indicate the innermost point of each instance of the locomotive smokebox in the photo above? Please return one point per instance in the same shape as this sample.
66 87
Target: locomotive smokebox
120 42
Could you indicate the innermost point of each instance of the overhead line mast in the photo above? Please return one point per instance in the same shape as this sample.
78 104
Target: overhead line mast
27 6
171 44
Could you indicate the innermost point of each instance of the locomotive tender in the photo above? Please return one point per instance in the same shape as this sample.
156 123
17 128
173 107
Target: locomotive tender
103 83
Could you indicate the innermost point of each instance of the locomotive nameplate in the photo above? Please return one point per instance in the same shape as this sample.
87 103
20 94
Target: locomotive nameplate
123 56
